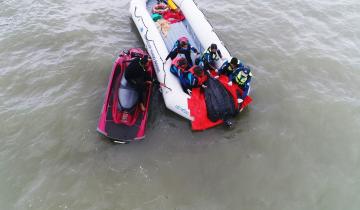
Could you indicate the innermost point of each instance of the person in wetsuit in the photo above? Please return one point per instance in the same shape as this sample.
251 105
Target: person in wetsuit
136 75
209 57
182 46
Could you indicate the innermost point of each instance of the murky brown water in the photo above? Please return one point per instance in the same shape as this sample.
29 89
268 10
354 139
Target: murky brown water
296 147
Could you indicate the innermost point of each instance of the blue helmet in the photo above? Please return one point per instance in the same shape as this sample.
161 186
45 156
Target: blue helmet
246 70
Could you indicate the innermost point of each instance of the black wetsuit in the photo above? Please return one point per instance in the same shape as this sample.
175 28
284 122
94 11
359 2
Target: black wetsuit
177 49
136 75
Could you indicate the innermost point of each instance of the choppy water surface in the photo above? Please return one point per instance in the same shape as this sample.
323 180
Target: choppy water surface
296 147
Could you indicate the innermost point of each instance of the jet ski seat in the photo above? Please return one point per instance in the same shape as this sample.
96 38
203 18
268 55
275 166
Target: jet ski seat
128 96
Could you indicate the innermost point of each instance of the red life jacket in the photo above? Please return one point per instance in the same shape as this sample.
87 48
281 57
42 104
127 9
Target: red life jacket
201 79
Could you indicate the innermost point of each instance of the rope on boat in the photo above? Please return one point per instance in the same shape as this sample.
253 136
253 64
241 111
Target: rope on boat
151 40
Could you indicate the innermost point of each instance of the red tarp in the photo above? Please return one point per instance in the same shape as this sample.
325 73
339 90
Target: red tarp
197 105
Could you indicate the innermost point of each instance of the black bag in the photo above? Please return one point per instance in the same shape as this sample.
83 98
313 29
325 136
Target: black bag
219 102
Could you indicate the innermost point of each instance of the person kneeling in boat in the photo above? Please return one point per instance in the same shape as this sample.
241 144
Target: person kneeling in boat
179 65
136 75
209 58
228 68
189 78
242 77
193 78
182 46
200 76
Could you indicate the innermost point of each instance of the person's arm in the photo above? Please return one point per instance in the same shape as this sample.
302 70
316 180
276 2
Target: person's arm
231 77
206 58
219 53
173 53
167 57
212 67
202 81
194 50
248 80
131 70
223 67
148 78
208 61
245 91
205 83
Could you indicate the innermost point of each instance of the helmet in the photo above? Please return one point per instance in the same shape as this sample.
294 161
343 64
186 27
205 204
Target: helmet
246 70
183 41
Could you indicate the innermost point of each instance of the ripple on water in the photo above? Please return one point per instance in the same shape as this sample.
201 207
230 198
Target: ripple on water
293 148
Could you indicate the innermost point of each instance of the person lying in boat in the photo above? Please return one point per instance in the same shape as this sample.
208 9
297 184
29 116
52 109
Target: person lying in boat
228 68
136 75
189 78
182 46
242 77
209 57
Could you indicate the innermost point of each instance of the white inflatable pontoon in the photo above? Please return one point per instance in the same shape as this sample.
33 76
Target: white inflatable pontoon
195 27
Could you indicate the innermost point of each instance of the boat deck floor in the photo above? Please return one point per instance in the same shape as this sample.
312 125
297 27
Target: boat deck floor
176 31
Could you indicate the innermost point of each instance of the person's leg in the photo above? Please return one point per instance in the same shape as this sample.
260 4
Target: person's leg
183 82
174 70
245 91
188 58
141 89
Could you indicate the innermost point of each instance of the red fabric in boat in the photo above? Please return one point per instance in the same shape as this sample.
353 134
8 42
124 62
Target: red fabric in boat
197 105
173 16
198 110
233 89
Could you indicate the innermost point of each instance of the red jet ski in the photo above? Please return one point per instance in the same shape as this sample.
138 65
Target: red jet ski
121 117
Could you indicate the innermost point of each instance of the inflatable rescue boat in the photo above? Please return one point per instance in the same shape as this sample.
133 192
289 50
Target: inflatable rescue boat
183 19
